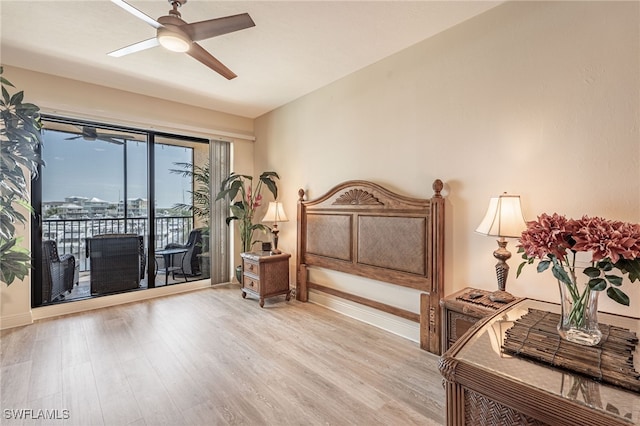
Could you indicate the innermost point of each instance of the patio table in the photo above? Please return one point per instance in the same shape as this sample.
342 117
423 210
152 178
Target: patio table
169 267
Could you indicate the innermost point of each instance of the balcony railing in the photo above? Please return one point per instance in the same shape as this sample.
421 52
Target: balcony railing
70 234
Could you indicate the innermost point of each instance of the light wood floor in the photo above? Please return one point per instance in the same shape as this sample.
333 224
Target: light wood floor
212 358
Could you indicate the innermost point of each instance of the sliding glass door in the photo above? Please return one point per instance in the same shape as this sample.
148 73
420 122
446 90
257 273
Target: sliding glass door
179 227
118 209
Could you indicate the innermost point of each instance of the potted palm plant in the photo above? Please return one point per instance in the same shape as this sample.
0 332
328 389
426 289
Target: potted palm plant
20 140
201 206
244 200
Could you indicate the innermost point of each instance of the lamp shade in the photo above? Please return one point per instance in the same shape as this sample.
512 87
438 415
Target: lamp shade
503 218
275 213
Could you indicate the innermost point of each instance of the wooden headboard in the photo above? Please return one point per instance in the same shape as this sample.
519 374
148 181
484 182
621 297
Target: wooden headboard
361 228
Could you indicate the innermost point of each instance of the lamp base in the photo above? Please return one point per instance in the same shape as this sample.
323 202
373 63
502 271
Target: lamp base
501 296
275 249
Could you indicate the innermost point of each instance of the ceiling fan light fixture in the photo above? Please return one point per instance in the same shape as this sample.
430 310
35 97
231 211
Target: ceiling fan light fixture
172 40
174 34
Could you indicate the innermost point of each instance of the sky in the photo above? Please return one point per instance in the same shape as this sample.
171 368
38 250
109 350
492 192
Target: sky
80 167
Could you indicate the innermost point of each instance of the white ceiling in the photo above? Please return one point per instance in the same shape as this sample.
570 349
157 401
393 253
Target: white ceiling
295 48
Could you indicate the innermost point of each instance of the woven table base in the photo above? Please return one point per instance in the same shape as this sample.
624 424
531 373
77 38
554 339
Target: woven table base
611 361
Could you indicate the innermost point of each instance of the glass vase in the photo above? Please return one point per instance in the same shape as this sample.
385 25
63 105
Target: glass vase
579 310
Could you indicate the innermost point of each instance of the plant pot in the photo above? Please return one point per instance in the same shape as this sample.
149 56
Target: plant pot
579 315
239 273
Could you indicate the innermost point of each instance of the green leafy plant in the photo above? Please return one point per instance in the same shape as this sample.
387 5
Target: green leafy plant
244 201
20 140
201 206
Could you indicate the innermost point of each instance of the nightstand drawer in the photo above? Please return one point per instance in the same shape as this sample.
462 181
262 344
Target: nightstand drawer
458 324
250 267
251 283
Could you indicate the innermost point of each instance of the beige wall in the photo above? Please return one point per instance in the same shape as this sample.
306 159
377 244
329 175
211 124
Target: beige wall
76 99
539 99
72 98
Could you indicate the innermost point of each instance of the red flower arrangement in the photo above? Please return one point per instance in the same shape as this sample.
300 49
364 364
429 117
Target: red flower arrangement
555 240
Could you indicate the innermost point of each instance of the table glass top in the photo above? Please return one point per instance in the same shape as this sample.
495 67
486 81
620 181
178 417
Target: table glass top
483 351
163 252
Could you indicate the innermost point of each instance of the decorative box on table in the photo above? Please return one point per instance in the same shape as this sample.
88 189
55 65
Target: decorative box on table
485 385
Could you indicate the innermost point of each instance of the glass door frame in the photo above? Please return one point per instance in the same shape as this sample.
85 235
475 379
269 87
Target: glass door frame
37 195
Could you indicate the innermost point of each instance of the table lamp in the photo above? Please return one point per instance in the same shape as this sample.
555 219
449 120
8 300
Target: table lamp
275 213
503 219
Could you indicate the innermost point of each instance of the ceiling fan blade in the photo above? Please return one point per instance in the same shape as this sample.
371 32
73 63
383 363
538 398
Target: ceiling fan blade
197 52
138 14
136 47
90 133
214 27
110 140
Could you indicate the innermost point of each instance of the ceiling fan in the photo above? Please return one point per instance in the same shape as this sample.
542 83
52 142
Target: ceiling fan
176 35
90 133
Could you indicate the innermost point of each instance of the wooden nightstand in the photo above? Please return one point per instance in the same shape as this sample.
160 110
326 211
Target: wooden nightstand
461 310
265 275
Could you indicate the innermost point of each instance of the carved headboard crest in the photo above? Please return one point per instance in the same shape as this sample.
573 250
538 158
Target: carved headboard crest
357 197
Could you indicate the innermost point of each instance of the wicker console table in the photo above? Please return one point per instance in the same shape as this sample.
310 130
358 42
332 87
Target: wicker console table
486 386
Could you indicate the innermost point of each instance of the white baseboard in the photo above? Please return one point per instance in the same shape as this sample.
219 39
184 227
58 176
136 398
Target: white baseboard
391 323
115 299
11 321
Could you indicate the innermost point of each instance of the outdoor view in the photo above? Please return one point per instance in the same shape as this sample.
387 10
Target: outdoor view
95 182
94 169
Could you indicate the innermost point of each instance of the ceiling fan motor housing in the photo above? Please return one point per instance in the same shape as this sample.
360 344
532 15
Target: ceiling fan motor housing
171 36
171 20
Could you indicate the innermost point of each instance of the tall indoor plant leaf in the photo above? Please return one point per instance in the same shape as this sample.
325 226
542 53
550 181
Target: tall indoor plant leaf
200 195
244 200
20 140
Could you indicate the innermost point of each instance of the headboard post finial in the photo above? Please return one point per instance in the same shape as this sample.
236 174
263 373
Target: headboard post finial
300 194
437 188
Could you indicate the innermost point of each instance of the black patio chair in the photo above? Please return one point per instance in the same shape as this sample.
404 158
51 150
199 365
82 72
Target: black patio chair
58 272
118 262
189 260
